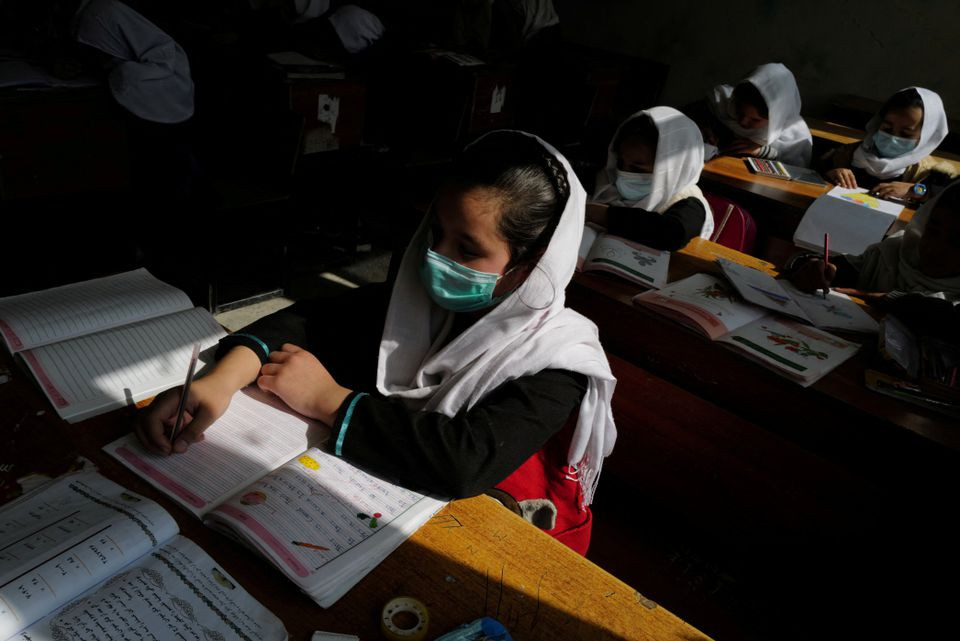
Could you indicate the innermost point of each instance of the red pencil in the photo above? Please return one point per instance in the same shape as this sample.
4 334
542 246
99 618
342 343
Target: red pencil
826 257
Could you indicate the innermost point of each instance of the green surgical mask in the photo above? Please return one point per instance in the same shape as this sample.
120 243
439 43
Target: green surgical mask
455 287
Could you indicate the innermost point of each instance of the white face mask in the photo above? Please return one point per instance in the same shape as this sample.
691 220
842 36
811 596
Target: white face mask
632 186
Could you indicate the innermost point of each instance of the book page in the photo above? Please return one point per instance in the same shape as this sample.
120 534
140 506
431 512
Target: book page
174 592
761 289
633 261
705 301
66 537
590 234
853 218
836 311
92 374
256 434
44 317
801 353
312 511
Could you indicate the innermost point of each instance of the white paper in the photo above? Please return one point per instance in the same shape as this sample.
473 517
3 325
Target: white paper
836 311
761 289
854 219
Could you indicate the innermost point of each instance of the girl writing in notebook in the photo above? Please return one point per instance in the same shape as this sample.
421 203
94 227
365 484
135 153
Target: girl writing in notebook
759 117
913 273
894 158
464 375
648 190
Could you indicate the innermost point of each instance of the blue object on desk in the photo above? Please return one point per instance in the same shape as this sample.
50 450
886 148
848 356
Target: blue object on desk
485 629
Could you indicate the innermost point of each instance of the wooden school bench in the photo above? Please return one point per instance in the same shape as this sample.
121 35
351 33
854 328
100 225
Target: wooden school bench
474 558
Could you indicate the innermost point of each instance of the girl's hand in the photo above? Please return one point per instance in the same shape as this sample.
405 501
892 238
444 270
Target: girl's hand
813 275
843 177
206 402
741 147
893 190
303 383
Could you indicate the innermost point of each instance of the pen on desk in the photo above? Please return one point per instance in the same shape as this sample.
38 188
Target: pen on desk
826 258
183 394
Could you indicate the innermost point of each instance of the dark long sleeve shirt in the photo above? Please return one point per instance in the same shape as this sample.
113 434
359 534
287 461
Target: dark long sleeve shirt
670 231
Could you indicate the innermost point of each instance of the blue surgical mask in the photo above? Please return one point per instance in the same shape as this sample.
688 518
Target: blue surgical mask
633 186
890 146
456 287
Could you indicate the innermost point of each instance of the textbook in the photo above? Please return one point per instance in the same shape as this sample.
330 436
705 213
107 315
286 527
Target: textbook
104 343
853 218
777 169
834 311
259 477
635 262
296 65
83 559
710 306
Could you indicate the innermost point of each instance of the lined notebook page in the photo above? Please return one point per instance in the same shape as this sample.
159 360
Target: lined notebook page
98 372
44 317
254 436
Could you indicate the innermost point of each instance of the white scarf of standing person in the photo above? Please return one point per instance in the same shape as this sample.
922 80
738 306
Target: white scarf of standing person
529 331
894 263
785 131
676 166
932 133
150 73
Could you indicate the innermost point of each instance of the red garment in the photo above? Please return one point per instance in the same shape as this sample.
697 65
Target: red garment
546 475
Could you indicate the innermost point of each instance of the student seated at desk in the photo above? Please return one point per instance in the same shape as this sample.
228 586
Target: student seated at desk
470 381
895 154
914 272
648 190
759 116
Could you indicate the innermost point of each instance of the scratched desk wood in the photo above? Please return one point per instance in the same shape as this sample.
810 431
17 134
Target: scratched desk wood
473 559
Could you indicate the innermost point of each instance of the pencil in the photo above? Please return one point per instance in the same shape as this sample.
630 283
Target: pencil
826 258
311 546
184 394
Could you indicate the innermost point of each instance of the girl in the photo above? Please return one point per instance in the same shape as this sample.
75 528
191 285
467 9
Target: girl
914 273
648 191
760 117
479 364
895 154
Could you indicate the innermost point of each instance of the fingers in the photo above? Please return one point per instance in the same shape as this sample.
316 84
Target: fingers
194 427
279 357
267 384
271 369
291 348
850 181
153 422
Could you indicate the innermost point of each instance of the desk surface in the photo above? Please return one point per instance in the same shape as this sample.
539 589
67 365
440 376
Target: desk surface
474 558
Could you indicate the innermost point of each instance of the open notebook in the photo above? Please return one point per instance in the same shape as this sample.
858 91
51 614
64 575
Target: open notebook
853 218
83 559
100 344
713 308
258 477
637 263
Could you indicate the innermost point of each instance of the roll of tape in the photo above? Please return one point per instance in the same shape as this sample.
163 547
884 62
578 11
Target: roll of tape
400 605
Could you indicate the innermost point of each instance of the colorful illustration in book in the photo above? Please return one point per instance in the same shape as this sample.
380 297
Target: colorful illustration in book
254 498
836 311
373 524
308 462
799 347
716 291
864 200
779 299
643 259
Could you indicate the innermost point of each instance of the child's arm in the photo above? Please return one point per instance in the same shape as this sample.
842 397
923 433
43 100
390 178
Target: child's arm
669 231
809 273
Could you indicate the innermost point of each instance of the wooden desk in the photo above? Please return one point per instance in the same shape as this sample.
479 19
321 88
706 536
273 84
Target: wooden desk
473 559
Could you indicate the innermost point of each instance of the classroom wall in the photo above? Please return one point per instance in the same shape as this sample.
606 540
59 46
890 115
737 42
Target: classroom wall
870 49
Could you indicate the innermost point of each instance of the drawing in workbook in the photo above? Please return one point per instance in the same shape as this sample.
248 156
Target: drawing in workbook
713 308
853 218
834 311
259 477
105 343
635 262
83 559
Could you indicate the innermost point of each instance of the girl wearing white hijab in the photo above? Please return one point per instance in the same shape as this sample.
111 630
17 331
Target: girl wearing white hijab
760 117
149 72
479 364
648 190
921 261
895 154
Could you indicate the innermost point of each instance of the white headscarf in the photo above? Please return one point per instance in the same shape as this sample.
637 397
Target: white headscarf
785 131
356 27
676 166
894 263
932 133
529 331
151 74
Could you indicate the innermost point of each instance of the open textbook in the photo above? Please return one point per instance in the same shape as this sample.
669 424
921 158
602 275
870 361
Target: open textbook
853 218
258 477
712 307
833 311
100 344
83 559
635 262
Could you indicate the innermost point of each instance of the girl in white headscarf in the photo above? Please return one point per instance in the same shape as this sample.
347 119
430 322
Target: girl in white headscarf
648 190
921 261
760 117
895 154
480 364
